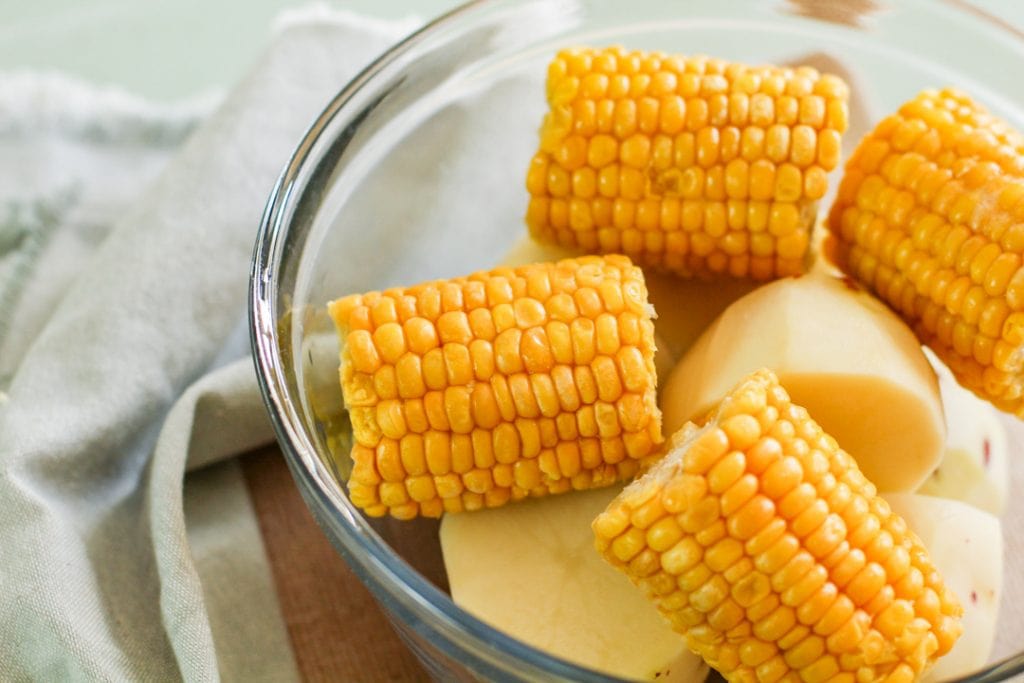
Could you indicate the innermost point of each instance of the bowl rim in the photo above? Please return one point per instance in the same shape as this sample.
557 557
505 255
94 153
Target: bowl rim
420 604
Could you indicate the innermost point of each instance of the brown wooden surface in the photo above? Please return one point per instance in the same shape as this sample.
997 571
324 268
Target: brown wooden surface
338 632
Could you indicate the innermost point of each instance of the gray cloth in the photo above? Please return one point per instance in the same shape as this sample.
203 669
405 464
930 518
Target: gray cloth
98 571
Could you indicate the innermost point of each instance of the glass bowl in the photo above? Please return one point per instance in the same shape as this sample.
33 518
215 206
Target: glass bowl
415 170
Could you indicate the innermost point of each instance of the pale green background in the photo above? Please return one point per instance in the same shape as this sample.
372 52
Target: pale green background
159 48
167 49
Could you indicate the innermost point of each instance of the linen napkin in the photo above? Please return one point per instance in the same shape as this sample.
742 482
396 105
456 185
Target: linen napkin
125 240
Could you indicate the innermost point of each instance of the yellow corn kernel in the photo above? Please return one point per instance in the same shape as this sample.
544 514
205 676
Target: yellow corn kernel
779 550
929 217
471 392
668 144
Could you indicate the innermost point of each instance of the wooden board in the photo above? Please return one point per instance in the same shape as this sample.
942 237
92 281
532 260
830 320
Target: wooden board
338 632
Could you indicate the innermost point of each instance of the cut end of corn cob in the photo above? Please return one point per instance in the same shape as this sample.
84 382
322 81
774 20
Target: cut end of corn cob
688 164
930 216
472 392
759 539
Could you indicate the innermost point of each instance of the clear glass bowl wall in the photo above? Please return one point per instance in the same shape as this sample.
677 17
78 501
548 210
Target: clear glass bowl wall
416 171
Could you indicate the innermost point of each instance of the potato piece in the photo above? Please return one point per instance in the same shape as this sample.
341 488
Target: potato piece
526 251
975 467
530 570
686 307
966 545
840 353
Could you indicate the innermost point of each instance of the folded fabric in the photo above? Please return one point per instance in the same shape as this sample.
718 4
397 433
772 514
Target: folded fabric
98 575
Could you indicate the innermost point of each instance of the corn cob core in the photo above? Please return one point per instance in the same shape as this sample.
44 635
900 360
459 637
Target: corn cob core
688 164
930 216
517 382
761 541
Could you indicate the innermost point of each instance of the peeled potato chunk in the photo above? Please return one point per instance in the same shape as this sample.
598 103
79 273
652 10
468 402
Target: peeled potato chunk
966 545
841 354
526 251
975 467
686 307
530 570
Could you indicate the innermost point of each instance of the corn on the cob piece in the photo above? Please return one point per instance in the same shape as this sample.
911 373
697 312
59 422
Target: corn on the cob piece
761 541
471 392
930 216
688 164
